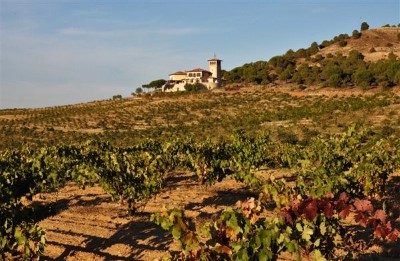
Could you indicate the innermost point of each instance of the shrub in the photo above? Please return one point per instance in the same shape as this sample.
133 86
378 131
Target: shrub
342 43
355 55
313 48
324 44
334 80
356 34
363 77
197 87
364 26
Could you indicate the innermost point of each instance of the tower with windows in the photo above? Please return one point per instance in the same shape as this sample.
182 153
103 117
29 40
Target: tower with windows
214 66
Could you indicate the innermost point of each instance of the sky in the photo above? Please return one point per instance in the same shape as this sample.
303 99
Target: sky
58 52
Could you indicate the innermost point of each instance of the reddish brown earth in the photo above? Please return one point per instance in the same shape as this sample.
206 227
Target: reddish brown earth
84 224
383 39
87 225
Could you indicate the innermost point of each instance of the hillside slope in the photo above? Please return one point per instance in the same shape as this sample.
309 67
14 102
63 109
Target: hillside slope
384 40
364 60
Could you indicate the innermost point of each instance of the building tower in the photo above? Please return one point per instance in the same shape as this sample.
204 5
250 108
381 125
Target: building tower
214 66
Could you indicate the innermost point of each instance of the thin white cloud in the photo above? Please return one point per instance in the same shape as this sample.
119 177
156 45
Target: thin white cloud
176 31
43 70
83 13
73 31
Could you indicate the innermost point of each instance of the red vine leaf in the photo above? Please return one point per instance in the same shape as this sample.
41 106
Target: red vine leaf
327 207
381 232
343 196
361 218
393 236
380 214
345 211
328 210
363 205
295 207
373 222
310 210
389 225
285 212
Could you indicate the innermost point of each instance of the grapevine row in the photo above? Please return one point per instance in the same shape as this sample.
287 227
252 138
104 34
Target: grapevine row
352 163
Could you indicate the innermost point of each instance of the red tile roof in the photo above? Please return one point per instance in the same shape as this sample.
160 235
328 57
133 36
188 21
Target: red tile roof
198 70
178 73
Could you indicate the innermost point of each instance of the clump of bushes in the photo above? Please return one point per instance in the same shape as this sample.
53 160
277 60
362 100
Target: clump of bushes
117 97
196 87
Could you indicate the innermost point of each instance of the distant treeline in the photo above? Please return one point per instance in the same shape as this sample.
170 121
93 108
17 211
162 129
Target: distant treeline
306 66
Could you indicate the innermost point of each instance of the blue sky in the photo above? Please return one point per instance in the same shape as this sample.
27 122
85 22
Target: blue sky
68 51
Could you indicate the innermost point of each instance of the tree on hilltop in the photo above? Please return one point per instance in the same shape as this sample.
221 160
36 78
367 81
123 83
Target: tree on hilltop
356 34
139 90
156 84
364 26
314 48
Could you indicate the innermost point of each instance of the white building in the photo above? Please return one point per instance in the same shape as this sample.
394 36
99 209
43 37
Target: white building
211 78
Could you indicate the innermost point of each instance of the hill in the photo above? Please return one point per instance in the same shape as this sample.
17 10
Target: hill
374 44
199 116
365 60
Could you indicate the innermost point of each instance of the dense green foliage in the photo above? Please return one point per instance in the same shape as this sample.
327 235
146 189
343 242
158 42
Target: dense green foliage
155 84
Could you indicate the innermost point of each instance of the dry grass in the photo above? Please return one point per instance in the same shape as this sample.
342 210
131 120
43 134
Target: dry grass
379 38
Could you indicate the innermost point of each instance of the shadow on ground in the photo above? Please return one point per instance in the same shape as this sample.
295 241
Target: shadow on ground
390 250
129 234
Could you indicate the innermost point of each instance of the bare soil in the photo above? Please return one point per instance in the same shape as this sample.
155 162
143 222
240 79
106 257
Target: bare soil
374 44
85 224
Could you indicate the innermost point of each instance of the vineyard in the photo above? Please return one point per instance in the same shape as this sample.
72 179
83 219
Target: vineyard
338 155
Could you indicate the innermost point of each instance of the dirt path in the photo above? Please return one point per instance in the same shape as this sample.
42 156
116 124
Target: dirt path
87 225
